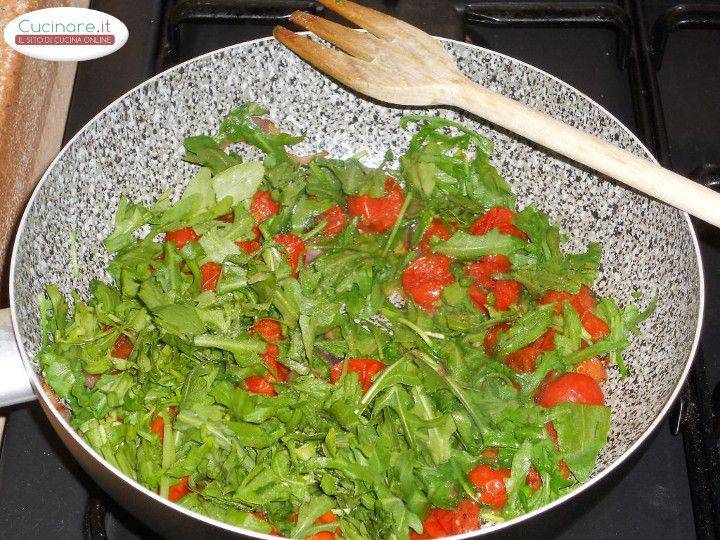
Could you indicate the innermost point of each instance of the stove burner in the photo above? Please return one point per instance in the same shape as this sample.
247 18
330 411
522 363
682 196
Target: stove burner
222 11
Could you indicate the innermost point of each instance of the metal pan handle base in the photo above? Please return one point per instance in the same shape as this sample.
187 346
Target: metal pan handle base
14 382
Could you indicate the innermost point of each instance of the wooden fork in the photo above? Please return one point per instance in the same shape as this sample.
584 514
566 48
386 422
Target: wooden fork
397 63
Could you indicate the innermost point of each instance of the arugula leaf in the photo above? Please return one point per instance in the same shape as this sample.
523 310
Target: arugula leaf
582 432
239 182
129 217
547 267
467 247
205 151
238 126
354 177
524 331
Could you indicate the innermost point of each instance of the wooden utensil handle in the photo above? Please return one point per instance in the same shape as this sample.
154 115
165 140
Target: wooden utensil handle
636 172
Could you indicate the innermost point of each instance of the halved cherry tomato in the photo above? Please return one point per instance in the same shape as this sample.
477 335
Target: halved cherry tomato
227 218
533 479
366 369
181 237
492 336
506 292
440 522
491 453
570 388
595 326
436 229
546 342
490 484
258 385
583 302
478 297
295 247
335 219
523 360
278 372
249 246
210 275
499 218
592 367
377 214
269 329
263 206
327 517
157 426
484 269
425 278
179 490
122 348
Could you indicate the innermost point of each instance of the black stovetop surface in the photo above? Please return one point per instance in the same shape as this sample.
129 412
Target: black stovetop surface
44 493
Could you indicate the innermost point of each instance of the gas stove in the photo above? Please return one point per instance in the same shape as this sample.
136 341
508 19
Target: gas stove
654 64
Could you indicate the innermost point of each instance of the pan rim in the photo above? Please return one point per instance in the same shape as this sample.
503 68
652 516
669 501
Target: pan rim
28 362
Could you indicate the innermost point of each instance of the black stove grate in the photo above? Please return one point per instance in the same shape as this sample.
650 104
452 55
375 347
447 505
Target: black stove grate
640 53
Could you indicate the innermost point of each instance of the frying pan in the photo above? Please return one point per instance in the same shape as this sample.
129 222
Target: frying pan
134 148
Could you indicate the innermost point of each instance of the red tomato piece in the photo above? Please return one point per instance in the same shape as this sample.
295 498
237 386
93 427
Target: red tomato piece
552 432
210 275
327 517
546 342
570 388
249 246
377 214
558 297
263 206
258 385
487 267
157 426
564 469
583 302
179 490
425 278
491 453
295 247
440 522
594 368
507 293
182 237
122 348
269 329
227 218
366 369
595 326
278 372
533 479
334 219
478 297
436 229
523 360
492 336
490 484
499 218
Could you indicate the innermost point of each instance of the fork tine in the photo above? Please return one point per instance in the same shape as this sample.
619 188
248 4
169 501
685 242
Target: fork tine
343 67
356 43
375 22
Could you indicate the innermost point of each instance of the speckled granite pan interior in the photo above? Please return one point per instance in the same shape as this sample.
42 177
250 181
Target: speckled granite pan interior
135 147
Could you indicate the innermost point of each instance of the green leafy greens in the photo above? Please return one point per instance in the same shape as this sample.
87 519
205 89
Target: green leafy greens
378 456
